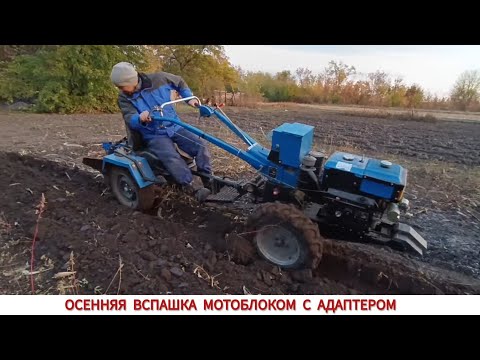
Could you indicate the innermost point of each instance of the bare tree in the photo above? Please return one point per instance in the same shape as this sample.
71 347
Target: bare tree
305 77
379 83
466 89
414 96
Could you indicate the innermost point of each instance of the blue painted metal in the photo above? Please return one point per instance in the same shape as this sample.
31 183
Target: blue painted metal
111 147
255 155
205 111
122 161
394 174
377 189
367 167
289 176
368 170
337 161
251 157
107 146
294 141
239 132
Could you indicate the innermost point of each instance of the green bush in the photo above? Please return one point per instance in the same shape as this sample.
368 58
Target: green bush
76 78
66 79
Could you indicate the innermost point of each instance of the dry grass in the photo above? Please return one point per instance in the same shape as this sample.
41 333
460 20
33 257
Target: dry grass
203 274
67 282
420 114
119 273
170 196
39 211
446 185
224 163
384 114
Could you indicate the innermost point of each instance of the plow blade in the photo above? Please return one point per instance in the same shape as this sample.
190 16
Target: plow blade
225 195
405 234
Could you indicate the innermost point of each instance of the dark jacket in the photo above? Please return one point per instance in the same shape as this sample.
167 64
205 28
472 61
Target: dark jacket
155 90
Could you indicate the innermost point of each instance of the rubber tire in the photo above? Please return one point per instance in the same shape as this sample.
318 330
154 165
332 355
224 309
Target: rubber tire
145 196
311 242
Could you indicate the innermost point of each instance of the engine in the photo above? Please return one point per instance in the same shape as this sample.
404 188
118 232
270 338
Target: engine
359 191
350 191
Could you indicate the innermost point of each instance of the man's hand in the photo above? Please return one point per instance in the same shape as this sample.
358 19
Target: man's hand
194 103
145 117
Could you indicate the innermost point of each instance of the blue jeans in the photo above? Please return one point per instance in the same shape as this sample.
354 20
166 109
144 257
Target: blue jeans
162 146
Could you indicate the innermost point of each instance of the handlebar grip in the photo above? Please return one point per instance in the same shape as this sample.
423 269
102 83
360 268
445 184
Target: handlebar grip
205 111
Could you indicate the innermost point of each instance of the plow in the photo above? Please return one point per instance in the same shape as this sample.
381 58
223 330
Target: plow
298 194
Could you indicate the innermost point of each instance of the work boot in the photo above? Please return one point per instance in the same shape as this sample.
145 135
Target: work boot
208 183
160 180
200 193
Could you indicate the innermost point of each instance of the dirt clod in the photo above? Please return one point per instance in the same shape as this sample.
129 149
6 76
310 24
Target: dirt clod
148 255
242 250
131 236
176 271
267 278
167 275
302 276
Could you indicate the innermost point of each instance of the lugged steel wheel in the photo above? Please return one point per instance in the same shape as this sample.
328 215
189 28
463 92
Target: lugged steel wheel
127 191
285 237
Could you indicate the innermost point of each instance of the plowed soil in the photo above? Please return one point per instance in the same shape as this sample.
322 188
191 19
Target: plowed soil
87 243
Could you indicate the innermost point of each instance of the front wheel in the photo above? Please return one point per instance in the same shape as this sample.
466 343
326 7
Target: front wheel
128 193
284 236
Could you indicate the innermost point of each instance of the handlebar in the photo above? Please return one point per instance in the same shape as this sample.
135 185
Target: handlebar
160 108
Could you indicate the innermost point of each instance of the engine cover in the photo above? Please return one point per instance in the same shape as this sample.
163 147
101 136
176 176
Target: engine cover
361 175
290 143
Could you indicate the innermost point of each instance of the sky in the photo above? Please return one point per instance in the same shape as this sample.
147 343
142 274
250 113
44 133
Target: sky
434 67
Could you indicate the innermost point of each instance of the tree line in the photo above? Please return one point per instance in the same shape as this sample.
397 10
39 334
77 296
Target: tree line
76 78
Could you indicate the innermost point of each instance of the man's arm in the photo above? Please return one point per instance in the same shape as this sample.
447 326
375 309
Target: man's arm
181 87
130 113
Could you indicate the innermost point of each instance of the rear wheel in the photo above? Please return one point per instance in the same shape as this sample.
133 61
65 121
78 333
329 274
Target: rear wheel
284 236
128 193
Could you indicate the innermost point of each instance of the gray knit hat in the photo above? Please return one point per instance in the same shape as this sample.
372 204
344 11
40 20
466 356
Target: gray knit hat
124 74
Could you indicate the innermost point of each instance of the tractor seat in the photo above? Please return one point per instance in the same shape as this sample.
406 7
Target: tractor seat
154 161
139 147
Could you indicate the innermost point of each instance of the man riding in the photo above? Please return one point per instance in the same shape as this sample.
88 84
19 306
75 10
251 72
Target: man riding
139 94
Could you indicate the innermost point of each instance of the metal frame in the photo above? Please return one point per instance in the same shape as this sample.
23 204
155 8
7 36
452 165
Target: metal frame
255 155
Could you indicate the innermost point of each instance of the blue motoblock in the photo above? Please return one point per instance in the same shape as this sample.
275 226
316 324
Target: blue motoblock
296 137
138 166
351 193
281 164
